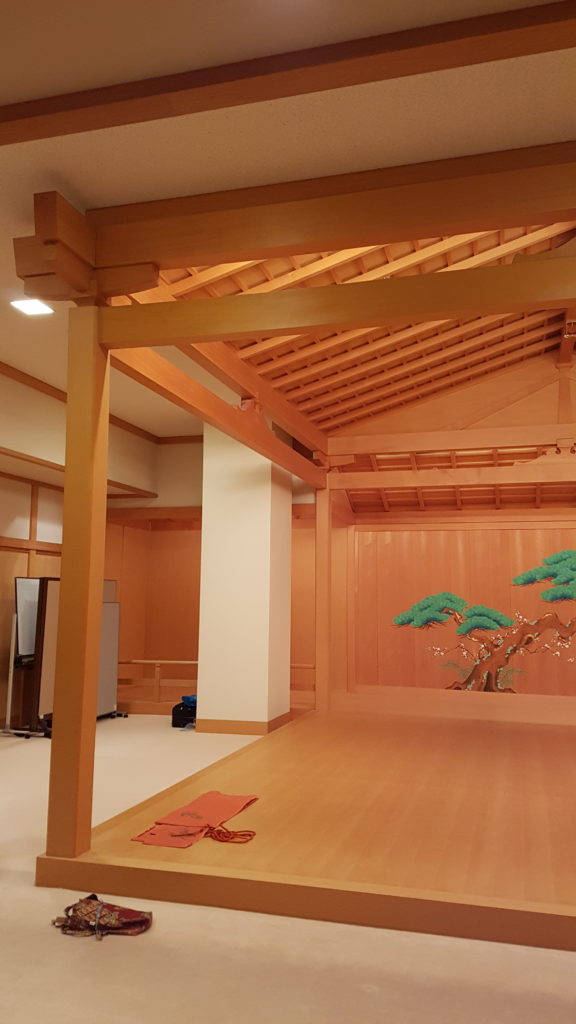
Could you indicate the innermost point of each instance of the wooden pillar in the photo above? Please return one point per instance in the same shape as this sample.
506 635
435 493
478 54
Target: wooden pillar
78 650
323 597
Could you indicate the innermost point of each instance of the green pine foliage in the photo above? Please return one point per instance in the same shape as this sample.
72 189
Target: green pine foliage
561 569
479 616
431 610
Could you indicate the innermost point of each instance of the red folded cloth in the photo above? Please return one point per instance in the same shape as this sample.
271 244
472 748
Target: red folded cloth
187 825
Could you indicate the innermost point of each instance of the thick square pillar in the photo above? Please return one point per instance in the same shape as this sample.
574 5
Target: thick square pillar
244 644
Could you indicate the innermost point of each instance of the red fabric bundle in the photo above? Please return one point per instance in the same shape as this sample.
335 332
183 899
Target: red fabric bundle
202 817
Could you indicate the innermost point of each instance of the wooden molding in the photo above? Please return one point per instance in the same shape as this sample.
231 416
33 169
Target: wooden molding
176 513
169 382
519 287
487 191
45 464
16 544
241 727
48 389
181 439
550 468
450 440
29 480
377 58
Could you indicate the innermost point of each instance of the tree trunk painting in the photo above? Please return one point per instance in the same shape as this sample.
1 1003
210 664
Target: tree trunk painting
495 655
491 671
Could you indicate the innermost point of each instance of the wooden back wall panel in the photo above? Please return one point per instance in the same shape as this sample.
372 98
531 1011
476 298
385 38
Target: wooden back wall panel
394 569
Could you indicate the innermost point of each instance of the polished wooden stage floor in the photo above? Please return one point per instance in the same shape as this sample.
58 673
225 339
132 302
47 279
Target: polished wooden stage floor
448 826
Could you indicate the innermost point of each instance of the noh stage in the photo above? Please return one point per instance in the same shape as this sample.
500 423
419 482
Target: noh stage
447 826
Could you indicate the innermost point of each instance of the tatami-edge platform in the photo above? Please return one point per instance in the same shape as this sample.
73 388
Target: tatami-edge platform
453 827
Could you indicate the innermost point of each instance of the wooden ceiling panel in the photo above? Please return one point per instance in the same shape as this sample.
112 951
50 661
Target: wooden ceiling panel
339 378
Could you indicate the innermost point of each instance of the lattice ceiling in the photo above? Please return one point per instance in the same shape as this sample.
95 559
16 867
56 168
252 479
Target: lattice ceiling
338 379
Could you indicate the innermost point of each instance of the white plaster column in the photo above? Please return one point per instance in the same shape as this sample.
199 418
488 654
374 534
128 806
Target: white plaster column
244 643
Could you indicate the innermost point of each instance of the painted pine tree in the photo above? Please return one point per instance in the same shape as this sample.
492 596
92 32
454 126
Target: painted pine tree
491 668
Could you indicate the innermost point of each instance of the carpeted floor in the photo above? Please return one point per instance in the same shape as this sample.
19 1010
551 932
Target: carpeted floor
222 967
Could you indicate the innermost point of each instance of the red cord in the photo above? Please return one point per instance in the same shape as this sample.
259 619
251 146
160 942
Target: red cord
219 833
225 835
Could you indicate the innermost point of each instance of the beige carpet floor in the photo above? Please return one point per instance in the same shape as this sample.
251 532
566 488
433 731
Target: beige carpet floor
223 967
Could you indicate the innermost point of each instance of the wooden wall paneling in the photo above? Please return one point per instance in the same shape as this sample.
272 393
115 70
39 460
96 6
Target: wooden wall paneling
173 600
303 616
133 592
12 563
367 621
351 589
323 589
113 552
396 568
339 609
42 564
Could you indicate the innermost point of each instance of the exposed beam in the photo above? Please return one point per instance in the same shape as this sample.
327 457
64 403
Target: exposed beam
451 440
328 344
476 193
380 351
173 384
548 469
199 279
223 363
519 287
410 361
410 376
377 58
437 384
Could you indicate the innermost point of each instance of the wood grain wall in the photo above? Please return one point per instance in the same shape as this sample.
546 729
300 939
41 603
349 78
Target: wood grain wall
392 569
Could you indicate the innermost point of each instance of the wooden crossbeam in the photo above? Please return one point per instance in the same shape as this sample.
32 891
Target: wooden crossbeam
222 362
378 58
166 380
522 287
452 440
486 191
324 347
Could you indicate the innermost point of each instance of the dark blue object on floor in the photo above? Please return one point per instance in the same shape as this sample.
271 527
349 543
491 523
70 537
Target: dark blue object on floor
185 713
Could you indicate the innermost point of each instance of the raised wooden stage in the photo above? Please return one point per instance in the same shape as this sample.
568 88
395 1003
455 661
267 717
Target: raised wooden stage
451 827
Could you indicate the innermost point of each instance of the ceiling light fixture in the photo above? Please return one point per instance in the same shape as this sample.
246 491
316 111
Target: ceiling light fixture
32 307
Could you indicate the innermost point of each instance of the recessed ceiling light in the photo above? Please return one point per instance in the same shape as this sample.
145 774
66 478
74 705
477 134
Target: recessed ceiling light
32 307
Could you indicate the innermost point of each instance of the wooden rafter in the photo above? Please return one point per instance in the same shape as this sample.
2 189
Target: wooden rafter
424 356
424 390
223 363
490 255
166 380
407 377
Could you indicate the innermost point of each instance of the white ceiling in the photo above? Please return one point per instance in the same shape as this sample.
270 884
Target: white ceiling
502 105
69 45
